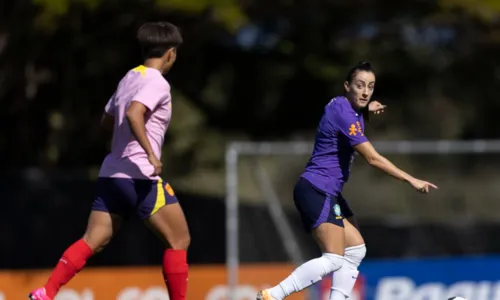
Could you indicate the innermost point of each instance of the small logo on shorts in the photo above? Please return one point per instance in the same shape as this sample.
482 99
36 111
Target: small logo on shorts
336 210
169 190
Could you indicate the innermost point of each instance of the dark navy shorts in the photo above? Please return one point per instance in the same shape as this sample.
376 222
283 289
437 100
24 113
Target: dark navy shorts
316 207
125 196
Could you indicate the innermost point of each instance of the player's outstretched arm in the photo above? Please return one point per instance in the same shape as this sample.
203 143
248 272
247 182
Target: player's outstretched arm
376 160
135 117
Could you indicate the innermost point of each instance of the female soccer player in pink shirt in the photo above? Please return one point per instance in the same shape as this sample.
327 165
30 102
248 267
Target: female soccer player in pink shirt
129 182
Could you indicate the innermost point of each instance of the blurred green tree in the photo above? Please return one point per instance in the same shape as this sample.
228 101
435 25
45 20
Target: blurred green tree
248 70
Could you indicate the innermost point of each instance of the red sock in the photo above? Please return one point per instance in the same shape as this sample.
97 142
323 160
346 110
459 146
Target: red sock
175 273
72 261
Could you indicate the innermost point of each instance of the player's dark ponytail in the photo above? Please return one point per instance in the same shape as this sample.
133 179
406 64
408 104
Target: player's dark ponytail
361 66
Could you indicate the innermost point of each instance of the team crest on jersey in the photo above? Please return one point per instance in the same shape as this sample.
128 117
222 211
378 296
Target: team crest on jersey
359 128
353 130
336 210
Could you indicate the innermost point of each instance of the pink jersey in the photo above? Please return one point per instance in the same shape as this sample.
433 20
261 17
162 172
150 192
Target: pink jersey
127 158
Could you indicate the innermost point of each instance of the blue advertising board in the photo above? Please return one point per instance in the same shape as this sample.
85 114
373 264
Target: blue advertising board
473 278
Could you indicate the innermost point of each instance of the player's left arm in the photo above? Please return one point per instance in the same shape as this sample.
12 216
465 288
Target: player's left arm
349 127
376 160
108 117
107 122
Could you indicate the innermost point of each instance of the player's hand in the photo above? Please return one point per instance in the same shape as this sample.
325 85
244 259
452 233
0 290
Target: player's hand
156 164
422 186
376 107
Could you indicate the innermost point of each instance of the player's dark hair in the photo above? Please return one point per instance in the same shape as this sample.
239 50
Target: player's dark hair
156 38
361 66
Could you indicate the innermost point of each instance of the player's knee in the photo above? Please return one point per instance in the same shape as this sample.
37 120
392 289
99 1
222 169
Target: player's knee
354 255
96 243
180 243
331 262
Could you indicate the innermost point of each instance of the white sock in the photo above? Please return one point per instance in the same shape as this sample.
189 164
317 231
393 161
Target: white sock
343 282
307 274
344 279
336 295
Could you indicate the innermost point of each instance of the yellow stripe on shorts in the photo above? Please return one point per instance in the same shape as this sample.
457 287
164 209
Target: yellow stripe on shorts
160 197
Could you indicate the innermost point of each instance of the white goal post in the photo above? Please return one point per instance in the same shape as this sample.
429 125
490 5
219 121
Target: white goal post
236 149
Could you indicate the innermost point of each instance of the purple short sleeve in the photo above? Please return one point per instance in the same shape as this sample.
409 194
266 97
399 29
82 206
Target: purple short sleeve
349 125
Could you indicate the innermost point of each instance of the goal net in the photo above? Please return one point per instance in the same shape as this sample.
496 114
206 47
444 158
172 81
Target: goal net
263 227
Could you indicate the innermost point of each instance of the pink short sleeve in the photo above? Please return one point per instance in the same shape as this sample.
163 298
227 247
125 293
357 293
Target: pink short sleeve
151 94
110 106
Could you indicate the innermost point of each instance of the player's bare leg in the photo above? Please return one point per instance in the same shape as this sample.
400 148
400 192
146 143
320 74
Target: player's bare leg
353 237
331 241
343 280
170 224
100 229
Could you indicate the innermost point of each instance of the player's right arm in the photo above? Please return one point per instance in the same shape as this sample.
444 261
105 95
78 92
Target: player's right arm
135 117
145 100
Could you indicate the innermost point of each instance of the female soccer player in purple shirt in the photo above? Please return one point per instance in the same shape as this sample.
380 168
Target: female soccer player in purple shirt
318 193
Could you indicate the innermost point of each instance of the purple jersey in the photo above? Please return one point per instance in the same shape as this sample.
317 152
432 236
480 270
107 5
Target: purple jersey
340 129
